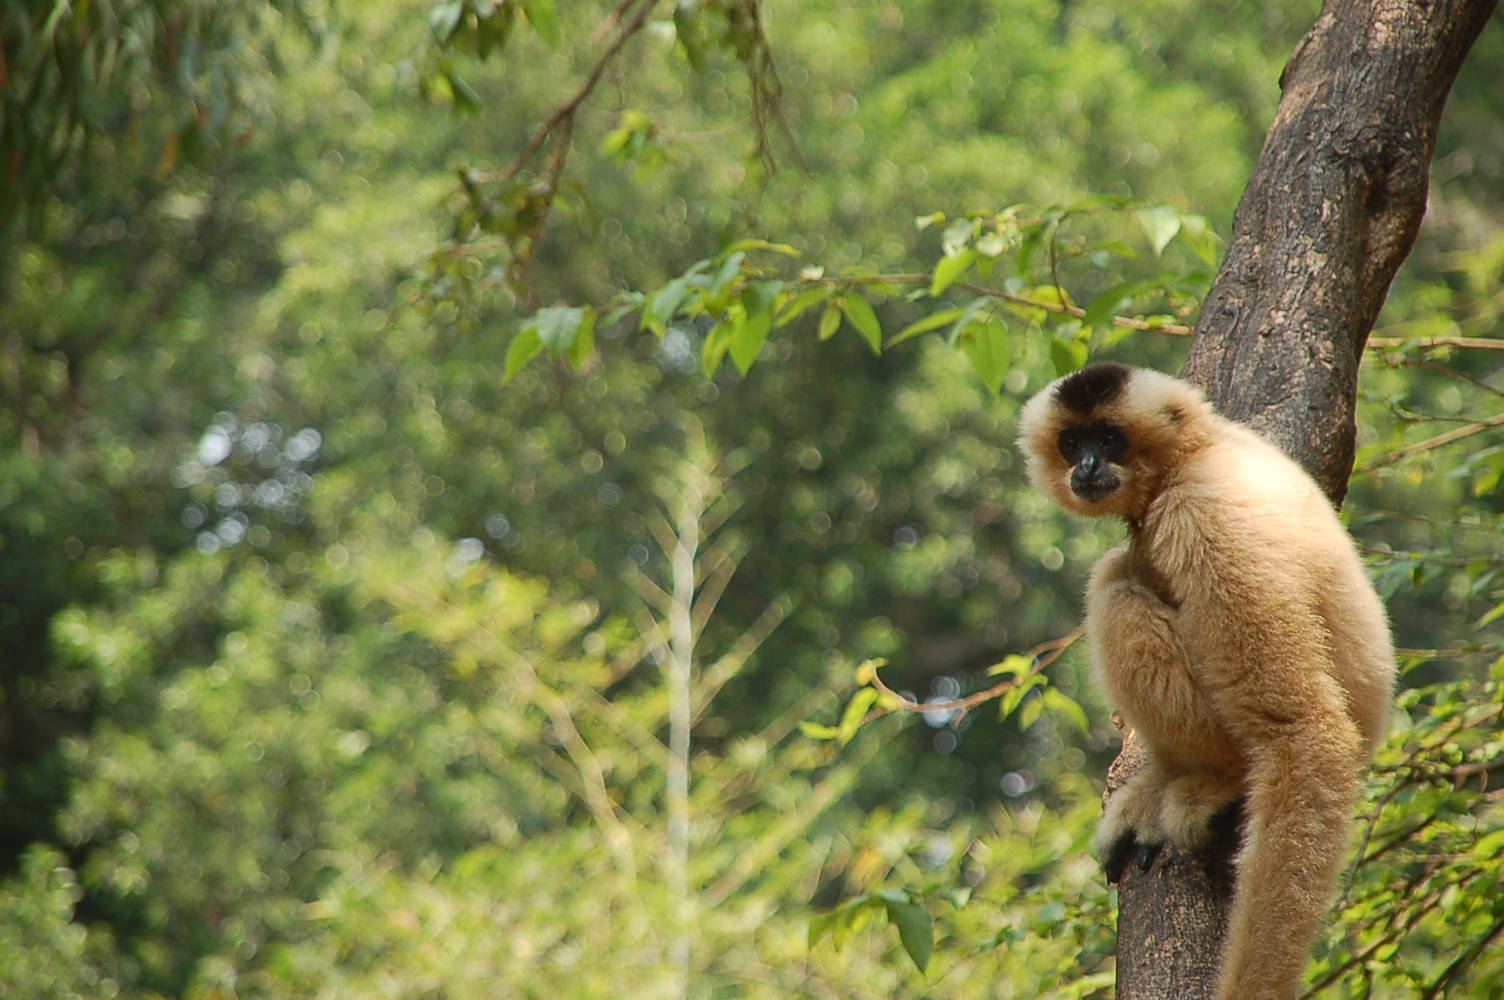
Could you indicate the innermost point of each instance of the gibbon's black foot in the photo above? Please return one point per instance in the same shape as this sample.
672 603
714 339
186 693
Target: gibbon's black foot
1225 830
1224 837
1125 849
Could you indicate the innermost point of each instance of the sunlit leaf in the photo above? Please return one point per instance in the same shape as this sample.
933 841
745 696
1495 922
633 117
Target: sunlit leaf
1067 355
933 321
801 302
557 327
523 348
949 269
584 341
830 321
855 711
859 312
956 236
1099 314
663 303
718 342
915 930
1061 704
730 268
748 335
544 19
756 244
986 347
815 731
1161 223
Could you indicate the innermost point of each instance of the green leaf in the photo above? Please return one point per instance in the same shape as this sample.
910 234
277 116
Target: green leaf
854 713
755 244
466 100
949 269
859 312
986 346
757 302
830 321
558 327
956 236
544 19
1161 223
1060 704
584 342
747 338
1067 355
819 926
1489 616
801 302
914 930
1015 696
933 321
815 731
663 303
1099 314
444 18
1029 713
730 268
523 348
1012 665
717 343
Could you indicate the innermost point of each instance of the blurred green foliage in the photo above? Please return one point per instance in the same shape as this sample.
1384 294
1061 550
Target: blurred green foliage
333 626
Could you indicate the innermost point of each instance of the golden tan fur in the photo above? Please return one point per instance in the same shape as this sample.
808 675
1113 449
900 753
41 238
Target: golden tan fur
1238 635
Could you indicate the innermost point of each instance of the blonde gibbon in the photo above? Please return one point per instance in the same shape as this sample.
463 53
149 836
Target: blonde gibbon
1236 633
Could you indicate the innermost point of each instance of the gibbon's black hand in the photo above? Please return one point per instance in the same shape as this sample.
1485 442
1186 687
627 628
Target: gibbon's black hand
1125 849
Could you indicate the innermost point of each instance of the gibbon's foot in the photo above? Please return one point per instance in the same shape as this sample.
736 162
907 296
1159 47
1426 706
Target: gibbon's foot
1128 848
1225 830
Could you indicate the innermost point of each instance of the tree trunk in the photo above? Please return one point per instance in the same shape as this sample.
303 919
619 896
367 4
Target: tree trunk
1330 212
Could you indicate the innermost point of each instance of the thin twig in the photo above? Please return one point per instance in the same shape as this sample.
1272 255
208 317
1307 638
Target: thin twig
1436 442
567 110
1472 343
1043 655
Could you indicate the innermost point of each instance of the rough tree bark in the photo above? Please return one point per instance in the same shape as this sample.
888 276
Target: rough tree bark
1330 212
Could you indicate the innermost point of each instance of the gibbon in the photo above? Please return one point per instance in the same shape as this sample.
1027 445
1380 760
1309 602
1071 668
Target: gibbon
1236 633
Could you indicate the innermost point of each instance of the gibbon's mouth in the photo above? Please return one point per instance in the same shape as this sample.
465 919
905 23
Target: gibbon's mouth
1094 486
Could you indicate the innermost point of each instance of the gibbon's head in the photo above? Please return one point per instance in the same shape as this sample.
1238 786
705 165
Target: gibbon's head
1101 440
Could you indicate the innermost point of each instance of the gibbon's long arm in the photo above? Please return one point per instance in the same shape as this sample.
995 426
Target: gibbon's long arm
1237 634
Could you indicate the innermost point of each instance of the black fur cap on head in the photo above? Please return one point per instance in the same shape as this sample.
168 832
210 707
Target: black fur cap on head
1092 386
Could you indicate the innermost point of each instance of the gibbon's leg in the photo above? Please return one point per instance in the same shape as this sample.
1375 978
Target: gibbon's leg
1301 788
1193 801
1192 769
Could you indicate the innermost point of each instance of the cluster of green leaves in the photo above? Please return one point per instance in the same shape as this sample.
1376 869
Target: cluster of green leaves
1418 915
738 302
171 77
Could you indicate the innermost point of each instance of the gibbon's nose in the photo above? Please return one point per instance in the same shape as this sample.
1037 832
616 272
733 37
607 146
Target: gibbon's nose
1092 479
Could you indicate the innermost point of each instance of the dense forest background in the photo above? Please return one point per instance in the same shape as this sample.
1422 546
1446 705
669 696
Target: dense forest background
350 649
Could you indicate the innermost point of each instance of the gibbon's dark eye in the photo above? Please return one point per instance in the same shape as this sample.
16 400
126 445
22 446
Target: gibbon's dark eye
1114 444
1069 444
1105 441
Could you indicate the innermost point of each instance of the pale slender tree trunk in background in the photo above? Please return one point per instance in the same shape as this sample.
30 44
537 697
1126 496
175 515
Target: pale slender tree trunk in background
680 717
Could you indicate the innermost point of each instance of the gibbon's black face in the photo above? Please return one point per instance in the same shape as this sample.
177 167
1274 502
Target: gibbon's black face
1092 451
